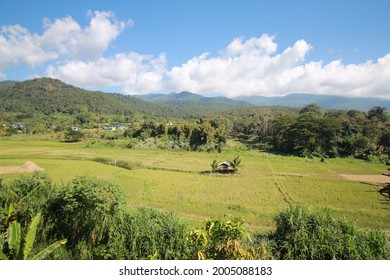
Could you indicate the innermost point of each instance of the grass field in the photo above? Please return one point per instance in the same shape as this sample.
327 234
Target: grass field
175 181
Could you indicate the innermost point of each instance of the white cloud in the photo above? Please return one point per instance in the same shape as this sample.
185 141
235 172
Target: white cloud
63 37
134 72
253 67
253 46
95 39
17 46
246 68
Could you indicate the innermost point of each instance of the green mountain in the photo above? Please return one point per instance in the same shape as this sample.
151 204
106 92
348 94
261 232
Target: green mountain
325 101
8 83
47 96
185 100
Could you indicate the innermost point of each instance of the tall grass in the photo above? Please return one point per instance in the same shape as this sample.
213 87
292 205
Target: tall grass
156 234
302 234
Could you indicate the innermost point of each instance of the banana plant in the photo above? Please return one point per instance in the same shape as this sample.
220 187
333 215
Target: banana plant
20 248
220 239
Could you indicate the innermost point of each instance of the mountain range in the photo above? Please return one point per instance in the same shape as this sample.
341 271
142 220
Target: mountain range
191 100
47 96
187 99
325 101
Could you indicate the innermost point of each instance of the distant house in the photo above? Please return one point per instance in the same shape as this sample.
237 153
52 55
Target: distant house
116 123
114 126
19 126
169 123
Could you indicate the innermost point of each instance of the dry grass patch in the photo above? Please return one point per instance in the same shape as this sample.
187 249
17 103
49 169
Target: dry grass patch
27 167
367 178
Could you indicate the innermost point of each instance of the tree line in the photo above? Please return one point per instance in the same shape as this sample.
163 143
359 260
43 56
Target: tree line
311 132
332 134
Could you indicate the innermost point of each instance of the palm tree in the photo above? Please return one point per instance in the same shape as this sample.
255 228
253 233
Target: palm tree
214 166
235 163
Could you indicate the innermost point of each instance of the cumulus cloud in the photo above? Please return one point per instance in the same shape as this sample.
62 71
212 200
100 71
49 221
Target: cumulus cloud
135 73
18 45
95 39
253 67
63 37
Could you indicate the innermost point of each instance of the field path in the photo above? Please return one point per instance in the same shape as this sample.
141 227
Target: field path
286 197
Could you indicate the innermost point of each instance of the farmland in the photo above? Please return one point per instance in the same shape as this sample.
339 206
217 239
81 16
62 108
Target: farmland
179 181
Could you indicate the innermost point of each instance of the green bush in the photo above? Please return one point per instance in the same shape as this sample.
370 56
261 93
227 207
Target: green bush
128 165
89 213
305 235
155 234
119 163
103 160
28 196
73 136
223 238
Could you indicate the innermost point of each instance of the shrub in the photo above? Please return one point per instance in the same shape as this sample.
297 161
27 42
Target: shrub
225 238
73 136
155 234
305 235
89 213
103 160
120 163
127 164
28 195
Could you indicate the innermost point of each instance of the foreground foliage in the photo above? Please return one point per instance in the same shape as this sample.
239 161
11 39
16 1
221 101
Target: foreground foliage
314 235
18 247
92 216
221 239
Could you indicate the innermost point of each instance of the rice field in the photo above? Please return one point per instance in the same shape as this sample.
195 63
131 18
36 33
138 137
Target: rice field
179 181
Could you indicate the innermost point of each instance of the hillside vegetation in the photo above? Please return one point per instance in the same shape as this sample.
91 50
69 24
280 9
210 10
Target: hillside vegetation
49 96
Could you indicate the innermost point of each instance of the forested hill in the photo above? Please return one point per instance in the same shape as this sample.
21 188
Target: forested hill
186 100
48 96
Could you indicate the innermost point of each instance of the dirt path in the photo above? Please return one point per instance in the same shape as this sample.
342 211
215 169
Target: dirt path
367 178
27 167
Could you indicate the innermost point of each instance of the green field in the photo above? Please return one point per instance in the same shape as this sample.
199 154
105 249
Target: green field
176 180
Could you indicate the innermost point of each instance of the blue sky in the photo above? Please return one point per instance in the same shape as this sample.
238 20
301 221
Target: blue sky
228 48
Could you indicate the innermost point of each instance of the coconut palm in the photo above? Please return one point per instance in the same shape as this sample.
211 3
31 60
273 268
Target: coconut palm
214 166
235 163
